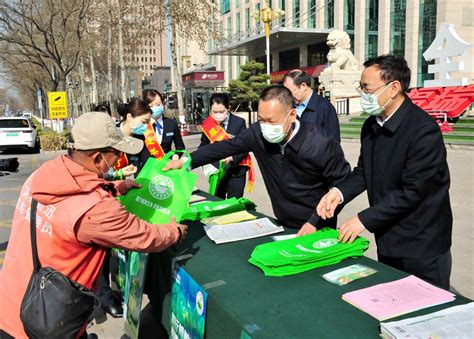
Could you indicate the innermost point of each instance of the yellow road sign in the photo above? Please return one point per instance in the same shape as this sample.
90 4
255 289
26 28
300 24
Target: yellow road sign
57 105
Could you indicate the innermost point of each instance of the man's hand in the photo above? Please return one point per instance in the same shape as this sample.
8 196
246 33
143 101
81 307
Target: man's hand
183 229
307 228
173 164
129 170
126 185
327 205
227 160
350 230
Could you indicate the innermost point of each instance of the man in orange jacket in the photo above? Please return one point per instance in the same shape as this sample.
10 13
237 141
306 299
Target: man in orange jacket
78 216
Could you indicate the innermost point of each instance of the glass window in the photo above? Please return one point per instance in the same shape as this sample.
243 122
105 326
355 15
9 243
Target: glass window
397 27
329 14
282 7
247 19
229 26
296 13
237 3
312 14
282 4
317 54
371 28
349 20
237 22
290 59
427 33
225 6
14 123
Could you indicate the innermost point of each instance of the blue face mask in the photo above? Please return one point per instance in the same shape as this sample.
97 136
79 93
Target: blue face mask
140 129
157 111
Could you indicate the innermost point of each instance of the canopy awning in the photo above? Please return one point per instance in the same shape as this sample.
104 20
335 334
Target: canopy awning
281 38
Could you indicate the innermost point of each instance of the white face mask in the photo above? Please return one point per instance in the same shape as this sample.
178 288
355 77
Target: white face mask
220 117
110 171
274 133
369 103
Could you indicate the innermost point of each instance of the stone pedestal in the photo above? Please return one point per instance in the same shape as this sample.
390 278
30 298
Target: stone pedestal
340 83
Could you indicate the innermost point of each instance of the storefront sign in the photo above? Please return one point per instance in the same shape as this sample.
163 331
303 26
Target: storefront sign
203 79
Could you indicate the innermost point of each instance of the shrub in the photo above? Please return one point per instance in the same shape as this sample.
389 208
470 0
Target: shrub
52 141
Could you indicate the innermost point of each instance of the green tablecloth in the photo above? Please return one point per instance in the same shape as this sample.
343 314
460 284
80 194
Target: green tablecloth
243 303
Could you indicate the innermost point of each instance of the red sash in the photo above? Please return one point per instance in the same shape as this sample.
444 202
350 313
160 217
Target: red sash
121 162
151 143
215 132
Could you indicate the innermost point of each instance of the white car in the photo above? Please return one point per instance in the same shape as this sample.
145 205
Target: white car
18 132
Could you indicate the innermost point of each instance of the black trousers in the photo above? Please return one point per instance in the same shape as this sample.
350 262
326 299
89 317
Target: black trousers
104 292
435 270
231 187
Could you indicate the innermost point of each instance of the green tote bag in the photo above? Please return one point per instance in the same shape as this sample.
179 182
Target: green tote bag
163 194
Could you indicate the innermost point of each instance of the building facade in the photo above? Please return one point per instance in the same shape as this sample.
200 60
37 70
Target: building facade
376 27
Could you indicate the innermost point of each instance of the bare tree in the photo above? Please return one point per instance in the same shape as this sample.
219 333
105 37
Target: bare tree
190 20
46 33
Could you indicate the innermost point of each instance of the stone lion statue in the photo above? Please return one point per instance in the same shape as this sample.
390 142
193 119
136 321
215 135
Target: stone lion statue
340 56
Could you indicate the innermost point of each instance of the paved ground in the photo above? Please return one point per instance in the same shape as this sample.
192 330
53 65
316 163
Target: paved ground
462 200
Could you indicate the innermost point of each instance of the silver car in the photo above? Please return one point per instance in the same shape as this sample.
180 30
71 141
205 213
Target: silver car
18 132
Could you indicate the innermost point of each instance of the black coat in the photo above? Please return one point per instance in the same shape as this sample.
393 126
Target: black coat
235 126
171 134
296 177
321 112
404 169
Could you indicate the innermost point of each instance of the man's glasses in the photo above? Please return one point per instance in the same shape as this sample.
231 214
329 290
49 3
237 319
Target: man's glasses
363 89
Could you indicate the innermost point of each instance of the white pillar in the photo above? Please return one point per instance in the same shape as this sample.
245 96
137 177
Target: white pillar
304 15
411 38
384 27
275 61
339 14
320 14
359 31
303 56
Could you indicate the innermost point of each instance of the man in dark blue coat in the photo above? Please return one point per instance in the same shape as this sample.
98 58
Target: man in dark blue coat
311 107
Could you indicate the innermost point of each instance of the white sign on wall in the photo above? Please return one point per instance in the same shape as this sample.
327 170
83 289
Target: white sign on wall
446 46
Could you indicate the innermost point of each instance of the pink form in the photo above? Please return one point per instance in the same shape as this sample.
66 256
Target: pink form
398 297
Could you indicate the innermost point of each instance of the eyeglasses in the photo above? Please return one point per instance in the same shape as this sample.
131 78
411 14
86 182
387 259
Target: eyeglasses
363 89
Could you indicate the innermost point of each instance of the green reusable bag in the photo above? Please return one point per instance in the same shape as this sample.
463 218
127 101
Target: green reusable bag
300 254
163 194
216 178
207 209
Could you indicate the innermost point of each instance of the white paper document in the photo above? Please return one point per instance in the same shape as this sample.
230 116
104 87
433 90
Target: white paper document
283 237
221 234
453 322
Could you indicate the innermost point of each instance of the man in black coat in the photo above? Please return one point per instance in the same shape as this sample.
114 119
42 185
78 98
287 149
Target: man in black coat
298 162
403 167
310 106
233 183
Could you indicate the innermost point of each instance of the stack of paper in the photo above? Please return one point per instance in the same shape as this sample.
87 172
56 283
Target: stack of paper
221 234
303 253
230 218
453 322
385 301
